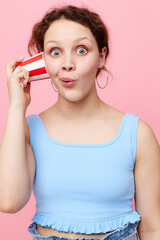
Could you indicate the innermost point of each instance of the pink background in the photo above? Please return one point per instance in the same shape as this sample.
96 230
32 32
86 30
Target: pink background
134 63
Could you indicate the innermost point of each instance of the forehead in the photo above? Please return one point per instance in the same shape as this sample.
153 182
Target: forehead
67 29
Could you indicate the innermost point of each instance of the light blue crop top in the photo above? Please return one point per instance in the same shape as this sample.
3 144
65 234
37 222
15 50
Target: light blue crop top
84 188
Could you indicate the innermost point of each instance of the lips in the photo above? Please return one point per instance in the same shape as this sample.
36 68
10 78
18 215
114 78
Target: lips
67 80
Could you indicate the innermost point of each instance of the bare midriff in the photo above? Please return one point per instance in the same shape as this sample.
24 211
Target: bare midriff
44 231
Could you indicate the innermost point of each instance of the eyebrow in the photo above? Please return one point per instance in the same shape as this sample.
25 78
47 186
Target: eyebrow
79 39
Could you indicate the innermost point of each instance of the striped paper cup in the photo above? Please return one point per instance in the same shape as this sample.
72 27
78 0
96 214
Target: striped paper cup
36 67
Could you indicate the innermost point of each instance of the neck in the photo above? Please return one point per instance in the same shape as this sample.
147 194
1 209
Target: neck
86 108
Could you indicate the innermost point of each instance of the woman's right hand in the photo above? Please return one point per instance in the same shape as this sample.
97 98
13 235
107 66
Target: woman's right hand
16 77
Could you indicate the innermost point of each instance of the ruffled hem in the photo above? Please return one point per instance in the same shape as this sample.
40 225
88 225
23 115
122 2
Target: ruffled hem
88 226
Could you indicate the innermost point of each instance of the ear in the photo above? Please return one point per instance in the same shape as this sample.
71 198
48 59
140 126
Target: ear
102 57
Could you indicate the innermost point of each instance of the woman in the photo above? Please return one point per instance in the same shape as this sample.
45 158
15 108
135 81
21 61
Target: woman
84 159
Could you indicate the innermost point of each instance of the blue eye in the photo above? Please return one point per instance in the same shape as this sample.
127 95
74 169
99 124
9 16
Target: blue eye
82 50
55 52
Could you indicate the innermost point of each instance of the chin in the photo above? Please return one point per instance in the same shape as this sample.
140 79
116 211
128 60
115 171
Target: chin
74 97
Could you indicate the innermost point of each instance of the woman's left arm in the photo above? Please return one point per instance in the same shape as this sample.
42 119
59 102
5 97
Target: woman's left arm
147 183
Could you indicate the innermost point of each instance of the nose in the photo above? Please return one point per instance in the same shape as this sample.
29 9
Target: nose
67 68
68 64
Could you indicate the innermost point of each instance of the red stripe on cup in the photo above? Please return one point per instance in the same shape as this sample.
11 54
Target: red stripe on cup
37 71
33 59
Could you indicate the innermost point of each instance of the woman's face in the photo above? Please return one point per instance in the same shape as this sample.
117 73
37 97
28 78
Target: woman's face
71 53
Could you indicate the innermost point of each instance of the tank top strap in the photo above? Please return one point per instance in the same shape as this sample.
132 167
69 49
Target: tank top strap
33 128
134 130
129 133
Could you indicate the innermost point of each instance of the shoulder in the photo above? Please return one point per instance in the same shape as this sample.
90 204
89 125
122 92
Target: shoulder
145 134
27 123
27 133
146 140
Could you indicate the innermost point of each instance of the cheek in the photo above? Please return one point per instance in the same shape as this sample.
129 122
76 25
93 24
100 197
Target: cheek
89 69
52 68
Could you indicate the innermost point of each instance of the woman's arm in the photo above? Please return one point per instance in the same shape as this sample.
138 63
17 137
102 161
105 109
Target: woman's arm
147 183
17 163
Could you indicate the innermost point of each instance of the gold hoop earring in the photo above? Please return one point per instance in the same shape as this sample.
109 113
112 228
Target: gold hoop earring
53 86
104 68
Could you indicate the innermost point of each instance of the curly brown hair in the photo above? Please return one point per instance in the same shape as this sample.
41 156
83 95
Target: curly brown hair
81 15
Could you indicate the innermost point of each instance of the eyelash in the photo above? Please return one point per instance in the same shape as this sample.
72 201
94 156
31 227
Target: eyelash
77 49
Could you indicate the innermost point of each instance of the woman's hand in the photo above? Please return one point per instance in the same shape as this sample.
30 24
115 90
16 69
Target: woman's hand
16 78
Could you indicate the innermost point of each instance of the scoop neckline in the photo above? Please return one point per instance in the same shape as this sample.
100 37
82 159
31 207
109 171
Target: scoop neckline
84 145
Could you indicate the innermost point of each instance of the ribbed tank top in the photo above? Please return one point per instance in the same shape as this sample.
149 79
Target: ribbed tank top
84 188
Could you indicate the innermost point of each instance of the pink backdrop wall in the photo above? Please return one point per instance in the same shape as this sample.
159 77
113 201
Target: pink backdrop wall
134 63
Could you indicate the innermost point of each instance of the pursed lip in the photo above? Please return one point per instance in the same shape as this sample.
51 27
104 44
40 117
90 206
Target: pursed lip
67 80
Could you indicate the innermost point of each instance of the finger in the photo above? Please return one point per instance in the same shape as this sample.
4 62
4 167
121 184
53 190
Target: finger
25 71
24 76
12 65
20 69
17 70
27 87
21 77
26 80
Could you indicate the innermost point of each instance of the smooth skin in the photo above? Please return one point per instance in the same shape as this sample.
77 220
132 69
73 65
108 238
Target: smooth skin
76 108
